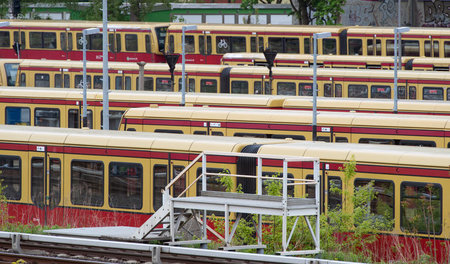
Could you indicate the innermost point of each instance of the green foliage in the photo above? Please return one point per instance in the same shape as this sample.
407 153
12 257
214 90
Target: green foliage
324 12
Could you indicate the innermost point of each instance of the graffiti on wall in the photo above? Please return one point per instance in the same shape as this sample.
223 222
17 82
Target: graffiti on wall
436 13
370 13
430 13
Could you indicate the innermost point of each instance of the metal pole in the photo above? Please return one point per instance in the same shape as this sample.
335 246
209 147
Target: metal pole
183 61
84 81
314 121
395 71
399 14
105 67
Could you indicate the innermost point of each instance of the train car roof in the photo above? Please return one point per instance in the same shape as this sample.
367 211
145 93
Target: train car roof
111 140
292 117
366 30
81 24
367 104
365 153
238 28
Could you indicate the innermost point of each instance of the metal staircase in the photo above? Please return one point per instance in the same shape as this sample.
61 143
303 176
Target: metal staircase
239 204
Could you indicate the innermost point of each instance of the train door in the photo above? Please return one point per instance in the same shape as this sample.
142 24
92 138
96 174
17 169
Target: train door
19 44
205 48
210 128
330 134
65 39
114 40
46 182
164 171
373 46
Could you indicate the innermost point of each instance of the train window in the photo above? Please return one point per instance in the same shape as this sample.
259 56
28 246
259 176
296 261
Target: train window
253 135
238 44
276 44
307 46
433 93
338 90
295 137
223 45
180 185
334 196
190 44
286 88
447 49
239 87
217 133
419 143
5 40
428 49
74 120
118 43
43 40
370 50
412 92
324 139
329 46
11 73
212 181
410 48
305 89
448 94
98 81
125 185
159 183
341 140
382 205
310 190
292 45
114 119
11 176
190 83
111 44
380 91
208 86
37 182
95 41
148 83
266 182
119 84
256 47
131 42
170 131
148 44
355 47
328 90
199 132
171 44
79 81
41 80
401 92
164 84
358 91
257 88
87 182
59 83
17 116
47 117
127 83
23 79
421 207
389 47
382 141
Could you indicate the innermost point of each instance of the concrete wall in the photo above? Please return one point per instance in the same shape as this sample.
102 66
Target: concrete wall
430 13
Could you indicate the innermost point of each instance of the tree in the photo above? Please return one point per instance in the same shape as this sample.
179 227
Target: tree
324 12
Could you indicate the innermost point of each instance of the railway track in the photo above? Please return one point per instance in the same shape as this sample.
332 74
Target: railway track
29 248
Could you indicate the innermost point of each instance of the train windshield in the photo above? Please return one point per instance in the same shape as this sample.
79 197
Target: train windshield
161 33
11 73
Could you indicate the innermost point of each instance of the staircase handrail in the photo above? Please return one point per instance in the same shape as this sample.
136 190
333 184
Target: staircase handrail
183 171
